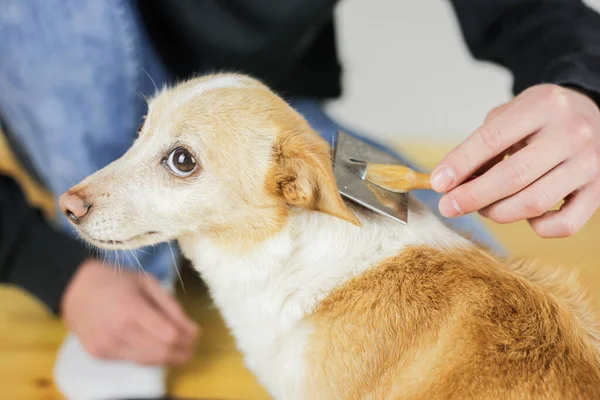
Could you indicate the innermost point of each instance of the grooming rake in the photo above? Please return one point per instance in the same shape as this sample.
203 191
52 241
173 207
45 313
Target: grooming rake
374 179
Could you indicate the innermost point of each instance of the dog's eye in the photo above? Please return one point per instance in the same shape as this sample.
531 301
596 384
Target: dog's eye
181 163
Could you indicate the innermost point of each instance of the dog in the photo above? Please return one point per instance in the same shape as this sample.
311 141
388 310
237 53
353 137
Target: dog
326 299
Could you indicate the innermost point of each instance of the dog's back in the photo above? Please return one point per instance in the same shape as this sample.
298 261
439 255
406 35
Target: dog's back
456 324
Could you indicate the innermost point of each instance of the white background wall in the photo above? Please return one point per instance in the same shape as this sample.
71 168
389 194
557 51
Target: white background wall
408 74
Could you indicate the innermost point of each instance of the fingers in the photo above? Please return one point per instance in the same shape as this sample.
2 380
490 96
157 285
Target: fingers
571 217
511 175
491 139
170 307
496 111
130 318
544 194
506 126
555 132
139 347
141 333
103 344
158 326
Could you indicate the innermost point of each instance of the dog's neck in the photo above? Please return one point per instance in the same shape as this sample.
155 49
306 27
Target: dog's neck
264 292
244 233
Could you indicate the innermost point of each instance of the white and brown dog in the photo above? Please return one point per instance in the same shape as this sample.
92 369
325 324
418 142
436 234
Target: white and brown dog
327 300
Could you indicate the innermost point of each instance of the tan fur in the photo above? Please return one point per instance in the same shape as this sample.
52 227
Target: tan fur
303 175
434 324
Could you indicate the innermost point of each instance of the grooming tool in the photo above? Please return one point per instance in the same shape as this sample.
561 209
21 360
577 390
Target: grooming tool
395 178
351 184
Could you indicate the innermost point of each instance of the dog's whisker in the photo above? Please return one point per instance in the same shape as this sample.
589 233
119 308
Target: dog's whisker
151 80
138 262
126 257
118 261
114 266
142 96
176 267
104 256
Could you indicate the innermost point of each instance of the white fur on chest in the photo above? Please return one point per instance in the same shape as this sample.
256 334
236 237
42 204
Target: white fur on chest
265 294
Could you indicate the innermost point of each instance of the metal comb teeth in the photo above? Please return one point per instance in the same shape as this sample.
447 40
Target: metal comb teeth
349 176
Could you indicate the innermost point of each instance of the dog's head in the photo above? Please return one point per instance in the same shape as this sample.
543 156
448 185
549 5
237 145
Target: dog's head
221 155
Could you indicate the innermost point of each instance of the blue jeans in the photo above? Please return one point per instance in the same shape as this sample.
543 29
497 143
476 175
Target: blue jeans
73 76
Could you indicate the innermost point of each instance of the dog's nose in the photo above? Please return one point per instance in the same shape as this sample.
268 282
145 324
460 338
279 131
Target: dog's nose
73 206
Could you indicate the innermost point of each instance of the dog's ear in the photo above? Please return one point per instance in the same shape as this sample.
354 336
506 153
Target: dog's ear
304 174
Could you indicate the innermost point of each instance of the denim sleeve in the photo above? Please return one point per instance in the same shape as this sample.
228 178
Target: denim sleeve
539 41
33 255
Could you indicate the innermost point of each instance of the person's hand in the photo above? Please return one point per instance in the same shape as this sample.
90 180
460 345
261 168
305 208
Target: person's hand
552 135
127 315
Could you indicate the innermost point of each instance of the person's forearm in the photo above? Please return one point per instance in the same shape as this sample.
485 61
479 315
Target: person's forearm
33 255
539 41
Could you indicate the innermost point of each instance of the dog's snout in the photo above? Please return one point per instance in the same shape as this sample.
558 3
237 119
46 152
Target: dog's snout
74 206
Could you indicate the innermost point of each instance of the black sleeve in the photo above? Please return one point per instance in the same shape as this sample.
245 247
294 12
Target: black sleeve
539 41
33 255
269 39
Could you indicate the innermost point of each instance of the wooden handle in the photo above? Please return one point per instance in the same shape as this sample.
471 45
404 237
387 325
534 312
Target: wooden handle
397 178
